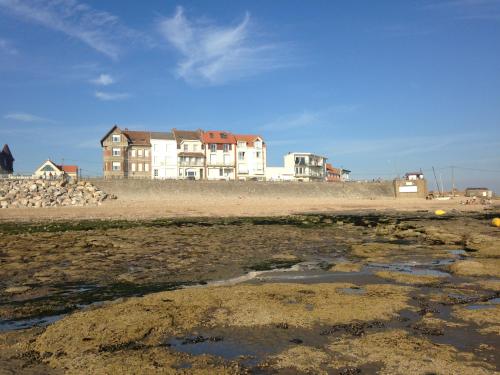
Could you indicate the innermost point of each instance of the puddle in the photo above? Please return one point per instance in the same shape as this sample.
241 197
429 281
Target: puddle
412 268
13 325
247 346
490 304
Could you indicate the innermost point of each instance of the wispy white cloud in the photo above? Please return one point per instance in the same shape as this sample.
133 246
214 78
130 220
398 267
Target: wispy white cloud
103 80
100 30
7 47
306 118
111 96
468 9
214 54
26 117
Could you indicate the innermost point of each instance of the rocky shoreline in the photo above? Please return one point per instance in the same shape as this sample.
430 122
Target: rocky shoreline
322 293
49 193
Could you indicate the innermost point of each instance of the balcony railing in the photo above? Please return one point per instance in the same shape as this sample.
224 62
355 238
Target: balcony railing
221 163
191 164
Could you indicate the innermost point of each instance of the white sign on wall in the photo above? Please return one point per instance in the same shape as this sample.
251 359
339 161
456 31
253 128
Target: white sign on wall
408 189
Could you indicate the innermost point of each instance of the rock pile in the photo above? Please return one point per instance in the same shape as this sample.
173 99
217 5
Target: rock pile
49 193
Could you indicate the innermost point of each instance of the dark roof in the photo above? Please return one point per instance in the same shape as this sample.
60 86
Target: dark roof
477 188
162 135
417 173
138 138
190 135
108 133
6 152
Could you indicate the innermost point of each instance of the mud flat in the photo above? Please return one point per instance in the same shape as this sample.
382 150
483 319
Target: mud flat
395 293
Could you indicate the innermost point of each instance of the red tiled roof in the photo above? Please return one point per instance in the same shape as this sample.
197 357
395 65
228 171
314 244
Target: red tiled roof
248 138
69 168
331 169
218 136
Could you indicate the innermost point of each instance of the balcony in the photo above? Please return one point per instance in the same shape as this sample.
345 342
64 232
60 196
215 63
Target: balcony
194 163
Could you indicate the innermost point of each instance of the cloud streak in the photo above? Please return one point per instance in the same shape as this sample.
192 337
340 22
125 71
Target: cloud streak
100 30
26 117
103 80
6 47
217 54
111 96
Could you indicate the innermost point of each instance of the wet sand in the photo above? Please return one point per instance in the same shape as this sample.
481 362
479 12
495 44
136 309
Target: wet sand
398 292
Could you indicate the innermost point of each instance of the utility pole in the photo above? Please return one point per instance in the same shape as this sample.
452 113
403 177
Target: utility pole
452 181
435 178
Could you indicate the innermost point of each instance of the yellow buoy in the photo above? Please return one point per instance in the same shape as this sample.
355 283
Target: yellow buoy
496 222
439 212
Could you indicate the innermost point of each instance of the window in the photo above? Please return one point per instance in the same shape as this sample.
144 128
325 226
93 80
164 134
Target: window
146 153
213 147
195 147
117 166
299 170
186 148
155 172
154 147
133 167
227 148
133 152
139 165
47 168
257 154
116 138
221 172
242 144
116 152
180 172
139 153
258 144
241 155
146 167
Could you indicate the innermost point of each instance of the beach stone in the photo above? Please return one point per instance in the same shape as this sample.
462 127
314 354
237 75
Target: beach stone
40 193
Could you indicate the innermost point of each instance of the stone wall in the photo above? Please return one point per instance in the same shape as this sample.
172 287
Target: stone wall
157 189
410 189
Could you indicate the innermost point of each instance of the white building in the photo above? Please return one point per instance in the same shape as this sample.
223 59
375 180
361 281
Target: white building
250 157
220 155
190 154
279 174
306 166
163 156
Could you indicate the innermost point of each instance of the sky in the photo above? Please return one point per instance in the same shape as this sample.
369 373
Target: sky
379 87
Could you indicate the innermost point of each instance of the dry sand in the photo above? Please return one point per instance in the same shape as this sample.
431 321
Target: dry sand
197 205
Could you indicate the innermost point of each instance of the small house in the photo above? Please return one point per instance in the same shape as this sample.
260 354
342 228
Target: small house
50 171
478 192
414 176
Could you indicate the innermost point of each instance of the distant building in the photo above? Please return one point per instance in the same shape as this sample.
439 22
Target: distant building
333 174
6 161
50 170
306 166
220 155
413 176
126 153
279 174
251 157
190 154
345 174
163 156
479 192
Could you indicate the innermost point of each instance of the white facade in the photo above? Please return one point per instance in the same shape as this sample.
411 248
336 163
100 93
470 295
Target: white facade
278 174
163 157
306 166
250 158
191 160
220 162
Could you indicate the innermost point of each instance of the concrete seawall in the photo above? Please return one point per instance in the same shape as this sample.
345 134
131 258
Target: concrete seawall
156 189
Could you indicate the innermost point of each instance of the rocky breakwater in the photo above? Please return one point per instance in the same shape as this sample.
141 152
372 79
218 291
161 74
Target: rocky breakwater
44 193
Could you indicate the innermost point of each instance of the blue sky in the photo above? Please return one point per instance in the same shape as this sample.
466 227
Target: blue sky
379 87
